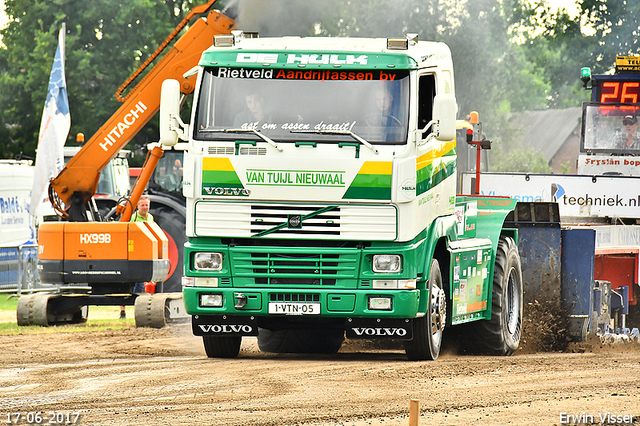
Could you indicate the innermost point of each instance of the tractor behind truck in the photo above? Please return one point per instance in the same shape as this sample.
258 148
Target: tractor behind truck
333 210
169 210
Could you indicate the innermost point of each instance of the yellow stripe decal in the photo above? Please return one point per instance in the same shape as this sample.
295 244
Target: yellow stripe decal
218 164
376 168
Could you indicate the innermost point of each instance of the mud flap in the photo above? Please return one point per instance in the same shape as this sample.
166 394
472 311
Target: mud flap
224 325
379 328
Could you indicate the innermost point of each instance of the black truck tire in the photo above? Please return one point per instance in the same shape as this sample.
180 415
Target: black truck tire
428 330
222 346
501 334
173 225
315 340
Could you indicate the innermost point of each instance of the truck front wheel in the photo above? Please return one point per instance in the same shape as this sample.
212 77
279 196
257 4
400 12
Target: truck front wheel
427 330
222 346
501 334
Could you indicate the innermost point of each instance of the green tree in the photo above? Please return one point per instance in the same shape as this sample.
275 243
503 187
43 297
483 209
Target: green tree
559 45
617 30
493 75
556 47
105 42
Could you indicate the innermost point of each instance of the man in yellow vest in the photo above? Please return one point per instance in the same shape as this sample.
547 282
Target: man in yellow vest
141 215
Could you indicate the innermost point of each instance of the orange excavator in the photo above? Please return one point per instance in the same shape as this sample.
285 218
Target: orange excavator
93 261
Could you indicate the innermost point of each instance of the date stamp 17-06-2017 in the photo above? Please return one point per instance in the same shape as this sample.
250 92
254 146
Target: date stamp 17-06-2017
42 417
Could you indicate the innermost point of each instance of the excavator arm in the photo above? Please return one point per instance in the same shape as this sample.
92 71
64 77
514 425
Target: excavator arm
77 182
99 263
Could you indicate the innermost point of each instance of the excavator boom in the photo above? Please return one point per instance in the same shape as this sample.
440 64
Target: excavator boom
78 181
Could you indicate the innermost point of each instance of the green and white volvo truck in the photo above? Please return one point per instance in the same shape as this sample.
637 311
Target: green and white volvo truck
320 181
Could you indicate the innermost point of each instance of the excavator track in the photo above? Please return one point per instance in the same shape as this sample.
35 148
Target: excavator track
158 310
47 309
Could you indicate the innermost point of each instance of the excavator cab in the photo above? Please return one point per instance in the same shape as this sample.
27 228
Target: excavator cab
113 183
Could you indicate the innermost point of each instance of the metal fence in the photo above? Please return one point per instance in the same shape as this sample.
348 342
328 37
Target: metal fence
18 269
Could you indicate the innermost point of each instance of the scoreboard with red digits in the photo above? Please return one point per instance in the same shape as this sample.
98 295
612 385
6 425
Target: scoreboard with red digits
622 87
619 91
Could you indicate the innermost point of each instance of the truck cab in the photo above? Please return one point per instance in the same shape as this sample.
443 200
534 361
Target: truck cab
320 182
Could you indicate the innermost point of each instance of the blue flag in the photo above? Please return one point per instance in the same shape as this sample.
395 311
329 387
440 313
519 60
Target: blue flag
54 129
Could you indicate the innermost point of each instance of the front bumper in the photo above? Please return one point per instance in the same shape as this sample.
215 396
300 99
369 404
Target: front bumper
336 303
355 328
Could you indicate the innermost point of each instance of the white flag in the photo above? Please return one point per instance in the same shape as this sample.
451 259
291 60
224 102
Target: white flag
54 129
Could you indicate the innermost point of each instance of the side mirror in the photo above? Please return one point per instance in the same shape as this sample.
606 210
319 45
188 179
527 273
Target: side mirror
444 114
169 112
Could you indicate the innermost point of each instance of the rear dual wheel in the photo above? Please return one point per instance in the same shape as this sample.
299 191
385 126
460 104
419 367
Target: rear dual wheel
501 334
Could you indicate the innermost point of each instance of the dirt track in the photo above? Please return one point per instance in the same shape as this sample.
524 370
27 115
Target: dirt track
162 377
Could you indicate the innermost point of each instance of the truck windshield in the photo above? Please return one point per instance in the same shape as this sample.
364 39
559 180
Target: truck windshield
611 128
373 104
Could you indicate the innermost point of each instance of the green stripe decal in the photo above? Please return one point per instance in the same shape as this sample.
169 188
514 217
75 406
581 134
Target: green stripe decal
220 178
373 182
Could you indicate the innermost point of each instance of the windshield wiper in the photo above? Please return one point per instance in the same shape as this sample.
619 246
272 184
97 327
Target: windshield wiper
262 136
339 132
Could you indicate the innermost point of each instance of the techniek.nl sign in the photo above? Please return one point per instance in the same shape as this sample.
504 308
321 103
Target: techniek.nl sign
577 196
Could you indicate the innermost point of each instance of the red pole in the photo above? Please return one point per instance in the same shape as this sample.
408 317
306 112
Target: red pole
478 151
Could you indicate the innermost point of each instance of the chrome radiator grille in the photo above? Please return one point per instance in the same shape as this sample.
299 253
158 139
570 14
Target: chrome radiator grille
348 222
